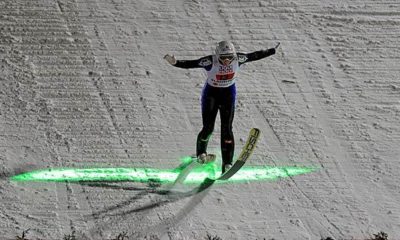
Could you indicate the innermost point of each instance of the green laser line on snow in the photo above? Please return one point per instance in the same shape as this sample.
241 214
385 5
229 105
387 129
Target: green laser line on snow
253 173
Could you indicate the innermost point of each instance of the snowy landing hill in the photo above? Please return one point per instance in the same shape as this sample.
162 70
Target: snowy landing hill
83 83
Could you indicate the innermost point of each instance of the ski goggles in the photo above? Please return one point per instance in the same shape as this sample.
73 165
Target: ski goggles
226 58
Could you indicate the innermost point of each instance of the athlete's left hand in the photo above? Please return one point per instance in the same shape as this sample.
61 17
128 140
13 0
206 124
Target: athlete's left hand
170 59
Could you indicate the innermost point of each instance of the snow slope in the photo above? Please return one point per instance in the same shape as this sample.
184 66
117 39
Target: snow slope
83 83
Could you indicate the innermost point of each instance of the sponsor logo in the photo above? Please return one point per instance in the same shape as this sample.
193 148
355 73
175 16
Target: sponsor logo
242 58
228 76
205 62
250 146
225 73
225 69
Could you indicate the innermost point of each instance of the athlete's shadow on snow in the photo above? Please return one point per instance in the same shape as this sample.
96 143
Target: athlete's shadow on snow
167 197
164 197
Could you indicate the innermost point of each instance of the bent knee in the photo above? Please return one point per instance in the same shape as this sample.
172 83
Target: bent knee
228 141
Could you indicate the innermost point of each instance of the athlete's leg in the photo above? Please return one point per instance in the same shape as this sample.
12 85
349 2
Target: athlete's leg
227 110
209 110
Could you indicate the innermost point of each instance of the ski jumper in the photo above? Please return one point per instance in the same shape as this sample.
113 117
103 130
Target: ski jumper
219 94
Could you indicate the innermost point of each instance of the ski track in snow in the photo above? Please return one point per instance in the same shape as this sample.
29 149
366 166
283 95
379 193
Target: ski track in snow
84 83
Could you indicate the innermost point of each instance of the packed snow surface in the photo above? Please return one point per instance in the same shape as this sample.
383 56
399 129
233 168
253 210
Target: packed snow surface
83 83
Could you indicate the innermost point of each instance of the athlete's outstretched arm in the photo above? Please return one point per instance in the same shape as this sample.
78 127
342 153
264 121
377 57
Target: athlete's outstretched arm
257 55
203 62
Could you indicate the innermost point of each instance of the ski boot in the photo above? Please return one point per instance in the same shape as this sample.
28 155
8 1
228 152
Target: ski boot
206 158
226 167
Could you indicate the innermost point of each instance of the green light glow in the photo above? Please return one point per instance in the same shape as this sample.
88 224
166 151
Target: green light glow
253 173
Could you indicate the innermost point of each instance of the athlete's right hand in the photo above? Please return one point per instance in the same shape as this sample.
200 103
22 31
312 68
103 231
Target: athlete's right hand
170 59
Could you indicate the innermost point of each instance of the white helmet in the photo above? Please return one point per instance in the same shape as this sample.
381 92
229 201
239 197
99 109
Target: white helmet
225 50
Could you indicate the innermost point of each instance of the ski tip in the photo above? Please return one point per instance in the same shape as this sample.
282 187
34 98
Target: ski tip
255 131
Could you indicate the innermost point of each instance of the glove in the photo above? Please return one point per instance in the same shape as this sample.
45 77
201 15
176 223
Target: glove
170 59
